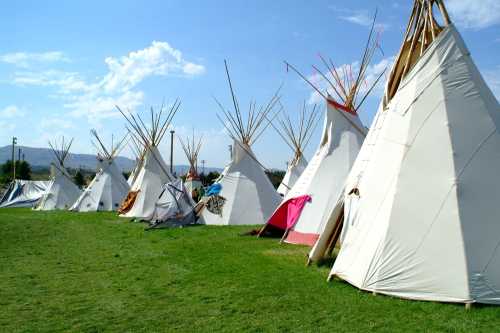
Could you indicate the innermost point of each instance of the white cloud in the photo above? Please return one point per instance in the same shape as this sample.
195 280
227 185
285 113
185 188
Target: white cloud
6 127
97 100
159 59
11 111
359 17
474 14
66 82
56 124
372 73
25 59
97 106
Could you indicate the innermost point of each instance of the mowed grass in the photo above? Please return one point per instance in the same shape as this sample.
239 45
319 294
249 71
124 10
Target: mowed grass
69 272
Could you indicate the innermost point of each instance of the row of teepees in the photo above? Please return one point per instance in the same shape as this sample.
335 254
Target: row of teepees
411 203
415 212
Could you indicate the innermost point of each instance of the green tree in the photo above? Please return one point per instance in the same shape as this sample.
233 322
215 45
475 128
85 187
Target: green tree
210 178
79 179
275 176
23 170
6 172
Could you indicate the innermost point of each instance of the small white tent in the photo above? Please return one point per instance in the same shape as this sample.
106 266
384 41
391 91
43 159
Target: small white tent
108 188
420 210
246 194
154 172
304 212
24 193
297 139
191 148
62 192
174 208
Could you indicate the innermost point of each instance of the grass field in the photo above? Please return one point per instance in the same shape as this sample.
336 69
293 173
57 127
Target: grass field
62 271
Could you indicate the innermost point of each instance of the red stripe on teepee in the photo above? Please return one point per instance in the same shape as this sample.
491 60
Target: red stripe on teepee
341 107
295 237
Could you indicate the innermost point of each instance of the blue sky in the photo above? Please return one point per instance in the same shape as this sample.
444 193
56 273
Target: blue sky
63 65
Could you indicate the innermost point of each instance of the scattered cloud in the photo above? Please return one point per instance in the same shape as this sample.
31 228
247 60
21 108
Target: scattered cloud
97 106
6 129
66 82
359 17
159 59
25 59
11 111
97 100
372 73
56 123
474 14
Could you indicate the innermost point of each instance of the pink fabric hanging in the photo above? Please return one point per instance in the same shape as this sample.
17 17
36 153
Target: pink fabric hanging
288 213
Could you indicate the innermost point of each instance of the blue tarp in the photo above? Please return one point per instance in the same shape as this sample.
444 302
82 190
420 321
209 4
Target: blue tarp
213 189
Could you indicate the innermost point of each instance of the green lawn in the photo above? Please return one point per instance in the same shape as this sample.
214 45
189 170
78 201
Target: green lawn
62 271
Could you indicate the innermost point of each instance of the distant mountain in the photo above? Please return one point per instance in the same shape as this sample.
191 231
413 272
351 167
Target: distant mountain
42 157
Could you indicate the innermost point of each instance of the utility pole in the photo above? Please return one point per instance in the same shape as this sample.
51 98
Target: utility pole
172 151
23 157
203 166
14 141
19 154
231 151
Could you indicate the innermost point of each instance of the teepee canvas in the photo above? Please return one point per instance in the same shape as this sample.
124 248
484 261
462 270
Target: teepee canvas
191 148
108 188
139 151
174 208
304 212
62 192
154 172
420 212
297 139
245 194
24 193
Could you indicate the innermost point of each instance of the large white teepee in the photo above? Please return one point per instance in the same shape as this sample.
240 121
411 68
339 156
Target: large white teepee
108 188
191 148
62 192
421 213
297 139
304 212
154 172
246 194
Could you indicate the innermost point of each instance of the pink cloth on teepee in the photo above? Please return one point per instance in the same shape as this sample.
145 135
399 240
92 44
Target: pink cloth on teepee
288 213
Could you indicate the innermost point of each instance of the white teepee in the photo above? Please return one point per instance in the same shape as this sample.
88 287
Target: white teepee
108 188
322 182
154 172
246 194
420 210
191 148
297 139
62 192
